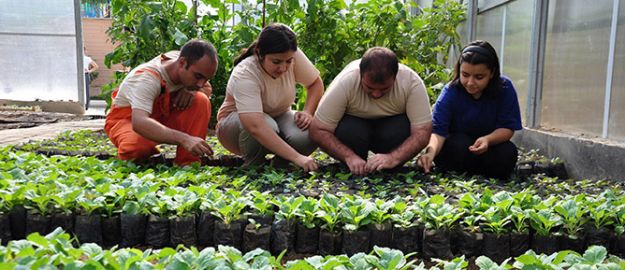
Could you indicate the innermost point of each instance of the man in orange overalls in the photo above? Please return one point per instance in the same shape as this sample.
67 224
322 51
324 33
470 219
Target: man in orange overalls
165 101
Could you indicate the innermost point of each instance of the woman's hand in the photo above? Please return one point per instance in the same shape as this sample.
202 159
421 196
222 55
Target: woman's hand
307 163
479 146
426 160
303 120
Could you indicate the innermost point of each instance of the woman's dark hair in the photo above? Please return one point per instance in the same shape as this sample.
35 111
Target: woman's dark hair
480 52
274 38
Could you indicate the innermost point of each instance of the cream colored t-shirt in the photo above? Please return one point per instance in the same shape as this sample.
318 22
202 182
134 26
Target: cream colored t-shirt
345 95
251 89
140 89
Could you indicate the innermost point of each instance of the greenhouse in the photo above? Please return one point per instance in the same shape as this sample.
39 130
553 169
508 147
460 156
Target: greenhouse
312 134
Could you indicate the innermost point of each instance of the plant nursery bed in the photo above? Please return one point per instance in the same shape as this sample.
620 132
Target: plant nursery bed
328 213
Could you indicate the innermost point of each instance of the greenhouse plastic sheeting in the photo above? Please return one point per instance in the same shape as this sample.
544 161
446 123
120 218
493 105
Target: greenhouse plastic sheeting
38 48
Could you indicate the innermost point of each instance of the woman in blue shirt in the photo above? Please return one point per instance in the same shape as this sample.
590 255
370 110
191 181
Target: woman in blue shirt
474 118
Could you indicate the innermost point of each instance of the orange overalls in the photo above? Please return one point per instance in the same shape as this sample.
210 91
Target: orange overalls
130 145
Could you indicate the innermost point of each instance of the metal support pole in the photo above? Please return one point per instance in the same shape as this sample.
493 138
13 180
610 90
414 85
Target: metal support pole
502 52
610 71
537 61
471 20
79 54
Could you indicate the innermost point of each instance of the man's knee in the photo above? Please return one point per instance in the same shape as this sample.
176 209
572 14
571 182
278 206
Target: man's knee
355 133
135 151
391 132
352 129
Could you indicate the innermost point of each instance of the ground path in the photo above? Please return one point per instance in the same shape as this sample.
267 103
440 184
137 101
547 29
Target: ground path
47 131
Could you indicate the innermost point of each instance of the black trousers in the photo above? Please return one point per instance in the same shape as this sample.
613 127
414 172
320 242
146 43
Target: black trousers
381 135
498 162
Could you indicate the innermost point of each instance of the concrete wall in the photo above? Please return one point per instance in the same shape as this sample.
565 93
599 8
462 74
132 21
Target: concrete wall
98 45
585 158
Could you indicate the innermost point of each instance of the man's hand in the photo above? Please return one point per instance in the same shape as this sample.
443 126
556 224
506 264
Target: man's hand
197 146
207 89
479 146
425 161
307 163
303 120
356 165
183 99
380 162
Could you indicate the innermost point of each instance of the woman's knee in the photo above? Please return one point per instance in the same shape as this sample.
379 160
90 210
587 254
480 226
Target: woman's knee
301 142
459 141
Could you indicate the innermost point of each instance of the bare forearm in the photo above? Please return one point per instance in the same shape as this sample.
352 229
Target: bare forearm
436 143
313 95
331 144
499 135
418 139
155 131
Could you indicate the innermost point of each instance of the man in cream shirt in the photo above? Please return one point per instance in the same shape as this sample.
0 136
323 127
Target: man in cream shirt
374 104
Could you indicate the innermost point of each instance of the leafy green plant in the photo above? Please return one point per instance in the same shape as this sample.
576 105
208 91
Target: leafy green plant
530 260
288 206
573 214
382 211
389 259
455 264
404 215
40 198
90 203
619 226
329 211
356 212
519 219
260 203
307 212
593 258
543 221
183 202
495 220
485 263
600 212
438 214
230 207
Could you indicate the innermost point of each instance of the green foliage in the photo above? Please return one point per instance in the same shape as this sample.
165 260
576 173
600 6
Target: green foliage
573 215
438 214
331 33
307 212
329 211
355 212
288 206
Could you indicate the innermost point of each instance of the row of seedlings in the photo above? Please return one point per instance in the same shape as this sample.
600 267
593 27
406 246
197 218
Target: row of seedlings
57 250
146 213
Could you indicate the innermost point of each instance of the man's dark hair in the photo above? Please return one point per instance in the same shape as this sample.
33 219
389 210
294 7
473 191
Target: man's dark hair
379 64
195 49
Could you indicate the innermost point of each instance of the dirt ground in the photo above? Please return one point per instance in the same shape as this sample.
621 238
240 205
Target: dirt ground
46 131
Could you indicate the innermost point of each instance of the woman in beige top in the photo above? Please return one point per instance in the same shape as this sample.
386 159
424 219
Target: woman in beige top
256 117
